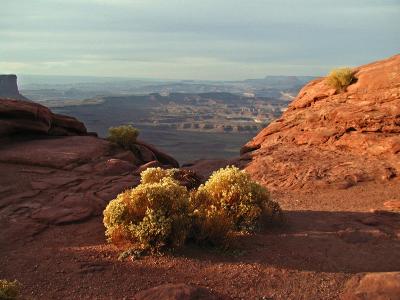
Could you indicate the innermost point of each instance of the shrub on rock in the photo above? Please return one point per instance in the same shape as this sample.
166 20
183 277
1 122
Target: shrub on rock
341 78
154 215
124 135
237 198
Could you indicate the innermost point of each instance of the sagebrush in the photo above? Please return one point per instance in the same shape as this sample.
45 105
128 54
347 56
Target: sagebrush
153 215
233 194
155 175
124 135
340 78
162 214
9 289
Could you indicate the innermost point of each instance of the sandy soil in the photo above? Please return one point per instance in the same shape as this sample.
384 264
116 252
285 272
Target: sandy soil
330 236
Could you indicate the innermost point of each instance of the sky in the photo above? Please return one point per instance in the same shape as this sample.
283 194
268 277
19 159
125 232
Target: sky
194 39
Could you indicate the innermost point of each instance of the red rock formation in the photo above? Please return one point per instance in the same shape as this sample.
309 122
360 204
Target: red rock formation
327 137
49 163
29 117
372 286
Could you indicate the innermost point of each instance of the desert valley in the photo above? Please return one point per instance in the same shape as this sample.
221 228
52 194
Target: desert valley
330 159
200 150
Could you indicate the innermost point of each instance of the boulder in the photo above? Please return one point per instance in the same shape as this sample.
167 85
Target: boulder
160 156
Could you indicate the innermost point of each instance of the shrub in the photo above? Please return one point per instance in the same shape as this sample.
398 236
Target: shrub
124 135
9 289
340 79
210 226
236 198
154 215
160 213
155 175
186 178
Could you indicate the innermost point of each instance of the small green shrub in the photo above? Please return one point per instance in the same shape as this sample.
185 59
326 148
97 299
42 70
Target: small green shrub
153 215
341 78
124 135
9 289
236 197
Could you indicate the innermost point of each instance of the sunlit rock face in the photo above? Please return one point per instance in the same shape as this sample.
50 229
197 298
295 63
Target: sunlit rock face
334 138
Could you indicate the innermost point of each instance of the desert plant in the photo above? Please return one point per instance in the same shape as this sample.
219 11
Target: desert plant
154 215
155 175
124 135
237 199
187 178
340 79
9 289
210 226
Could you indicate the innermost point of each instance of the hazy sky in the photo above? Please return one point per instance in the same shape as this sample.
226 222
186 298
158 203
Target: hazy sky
194 39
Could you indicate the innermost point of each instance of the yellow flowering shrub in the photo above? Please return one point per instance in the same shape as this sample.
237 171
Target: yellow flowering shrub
161 213
154 175
152 215
236 197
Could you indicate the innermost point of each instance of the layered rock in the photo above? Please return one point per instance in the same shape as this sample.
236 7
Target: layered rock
336 138
9 87
22 117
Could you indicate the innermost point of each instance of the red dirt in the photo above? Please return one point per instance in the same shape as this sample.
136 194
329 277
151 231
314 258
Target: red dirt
325 242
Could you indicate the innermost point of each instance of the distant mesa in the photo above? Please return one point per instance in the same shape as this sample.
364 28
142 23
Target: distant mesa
9 87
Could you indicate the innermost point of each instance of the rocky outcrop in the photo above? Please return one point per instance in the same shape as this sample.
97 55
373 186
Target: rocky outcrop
149 153
53 172
334 138
9 87
22 117
373 286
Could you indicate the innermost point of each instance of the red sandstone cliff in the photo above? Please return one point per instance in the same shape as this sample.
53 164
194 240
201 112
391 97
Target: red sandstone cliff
334 138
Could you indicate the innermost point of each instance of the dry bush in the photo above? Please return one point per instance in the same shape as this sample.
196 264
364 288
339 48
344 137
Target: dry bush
186 178
237 198
211 226
124 135
160 213
154 175
341 78
152 215
9 289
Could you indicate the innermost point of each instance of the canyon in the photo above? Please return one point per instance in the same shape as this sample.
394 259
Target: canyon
331 160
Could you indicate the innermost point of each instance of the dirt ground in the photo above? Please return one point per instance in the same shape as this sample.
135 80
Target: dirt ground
330 235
